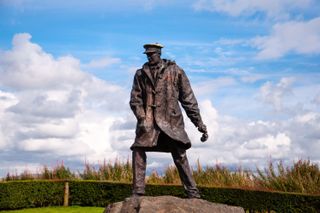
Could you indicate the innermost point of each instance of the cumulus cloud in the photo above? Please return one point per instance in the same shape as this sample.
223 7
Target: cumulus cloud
272 8
71 115
49 105
316 99
101 63
212 85
277 146
36 69
2 140
275 94
253 142
300 37
210 118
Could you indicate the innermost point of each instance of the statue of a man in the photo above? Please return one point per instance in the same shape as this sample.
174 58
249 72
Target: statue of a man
157 89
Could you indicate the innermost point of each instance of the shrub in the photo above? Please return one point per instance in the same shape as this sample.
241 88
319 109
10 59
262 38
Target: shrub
302 177
28 194
154 178
93 193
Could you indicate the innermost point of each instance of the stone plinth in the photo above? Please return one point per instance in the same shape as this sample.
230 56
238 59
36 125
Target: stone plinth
169 204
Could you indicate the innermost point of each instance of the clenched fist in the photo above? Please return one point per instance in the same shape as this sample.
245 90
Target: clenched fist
203 128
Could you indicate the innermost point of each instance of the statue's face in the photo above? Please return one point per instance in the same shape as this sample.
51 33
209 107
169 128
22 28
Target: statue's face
153 58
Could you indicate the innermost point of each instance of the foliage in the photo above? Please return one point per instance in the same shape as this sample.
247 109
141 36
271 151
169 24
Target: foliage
303 176
94 193
117 172
26 194
222 177
72 209
251 190
171 176
263 201
58 172
154 178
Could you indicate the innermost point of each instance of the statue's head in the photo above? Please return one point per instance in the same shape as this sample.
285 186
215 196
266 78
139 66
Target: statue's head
153 52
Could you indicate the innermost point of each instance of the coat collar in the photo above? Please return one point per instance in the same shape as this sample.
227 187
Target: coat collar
146 70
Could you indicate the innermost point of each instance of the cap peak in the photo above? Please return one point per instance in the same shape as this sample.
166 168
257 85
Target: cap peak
152 47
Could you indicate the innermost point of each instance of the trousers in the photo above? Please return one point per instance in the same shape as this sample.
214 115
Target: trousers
139 161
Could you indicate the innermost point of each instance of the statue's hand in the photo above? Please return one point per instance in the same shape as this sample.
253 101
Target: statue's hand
144 126
203 128
204 137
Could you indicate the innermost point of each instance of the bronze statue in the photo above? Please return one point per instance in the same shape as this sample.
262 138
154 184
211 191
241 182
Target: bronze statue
157 89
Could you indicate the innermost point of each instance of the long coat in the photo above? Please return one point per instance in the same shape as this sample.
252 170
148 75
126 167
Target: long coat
156 101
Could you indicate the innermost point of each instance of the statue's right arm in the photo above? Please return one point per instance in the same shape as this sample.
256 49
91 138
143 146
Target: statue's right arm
136 98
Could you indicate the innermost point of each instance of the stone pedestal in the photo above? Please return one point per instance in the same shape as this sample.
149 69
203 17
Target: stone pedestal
169 204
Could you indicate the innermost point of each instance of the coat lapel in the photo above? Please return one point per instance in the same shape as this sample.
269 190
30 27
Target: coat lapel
147 71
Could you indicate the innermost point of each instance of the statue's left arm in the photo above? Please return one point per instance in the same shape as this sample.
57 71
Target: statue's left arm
189 102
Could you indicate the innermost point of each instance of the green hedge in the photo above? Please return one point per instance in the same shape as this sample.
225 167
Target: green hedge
25 194
262 201
29 194
94 193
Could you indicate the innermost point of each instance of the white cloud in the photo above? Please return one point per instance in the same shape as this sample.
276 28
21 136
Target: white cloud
2 139
306 118
252 144
210 86
277 146
101 63
316 99
275 94
16 168
272 8
210 118
6 100
230 42
37 69
154 165
87 118
49 106
300 37
252 78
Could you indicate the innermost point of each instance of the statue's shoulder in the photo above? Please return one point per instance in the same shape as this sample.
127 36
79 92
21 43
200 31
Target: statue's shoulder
169 62
172 65
139 72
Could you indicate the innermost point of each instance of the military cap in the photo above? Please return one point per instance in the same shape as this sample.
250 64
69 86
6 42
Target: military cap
150 48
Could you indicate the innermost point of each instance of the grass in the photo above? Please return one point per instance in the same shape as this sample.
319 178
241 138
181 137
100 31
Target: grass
72 209
303 176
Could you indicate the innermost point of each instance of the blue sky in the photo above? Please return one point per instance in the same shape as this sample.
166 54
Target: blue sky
67 69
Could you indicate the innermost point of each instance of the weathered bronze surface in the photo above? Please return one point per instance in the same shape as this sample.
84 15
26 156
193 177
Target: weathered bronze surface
157 89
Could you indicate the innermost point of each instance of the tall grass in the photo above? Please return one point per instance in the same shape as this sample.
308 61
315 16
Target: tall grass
221 176
57 172
117 171
303 176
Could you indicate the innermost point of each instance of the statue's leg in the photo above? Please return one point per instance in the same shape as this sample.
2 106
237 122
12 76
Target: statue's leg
139 159
181 161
